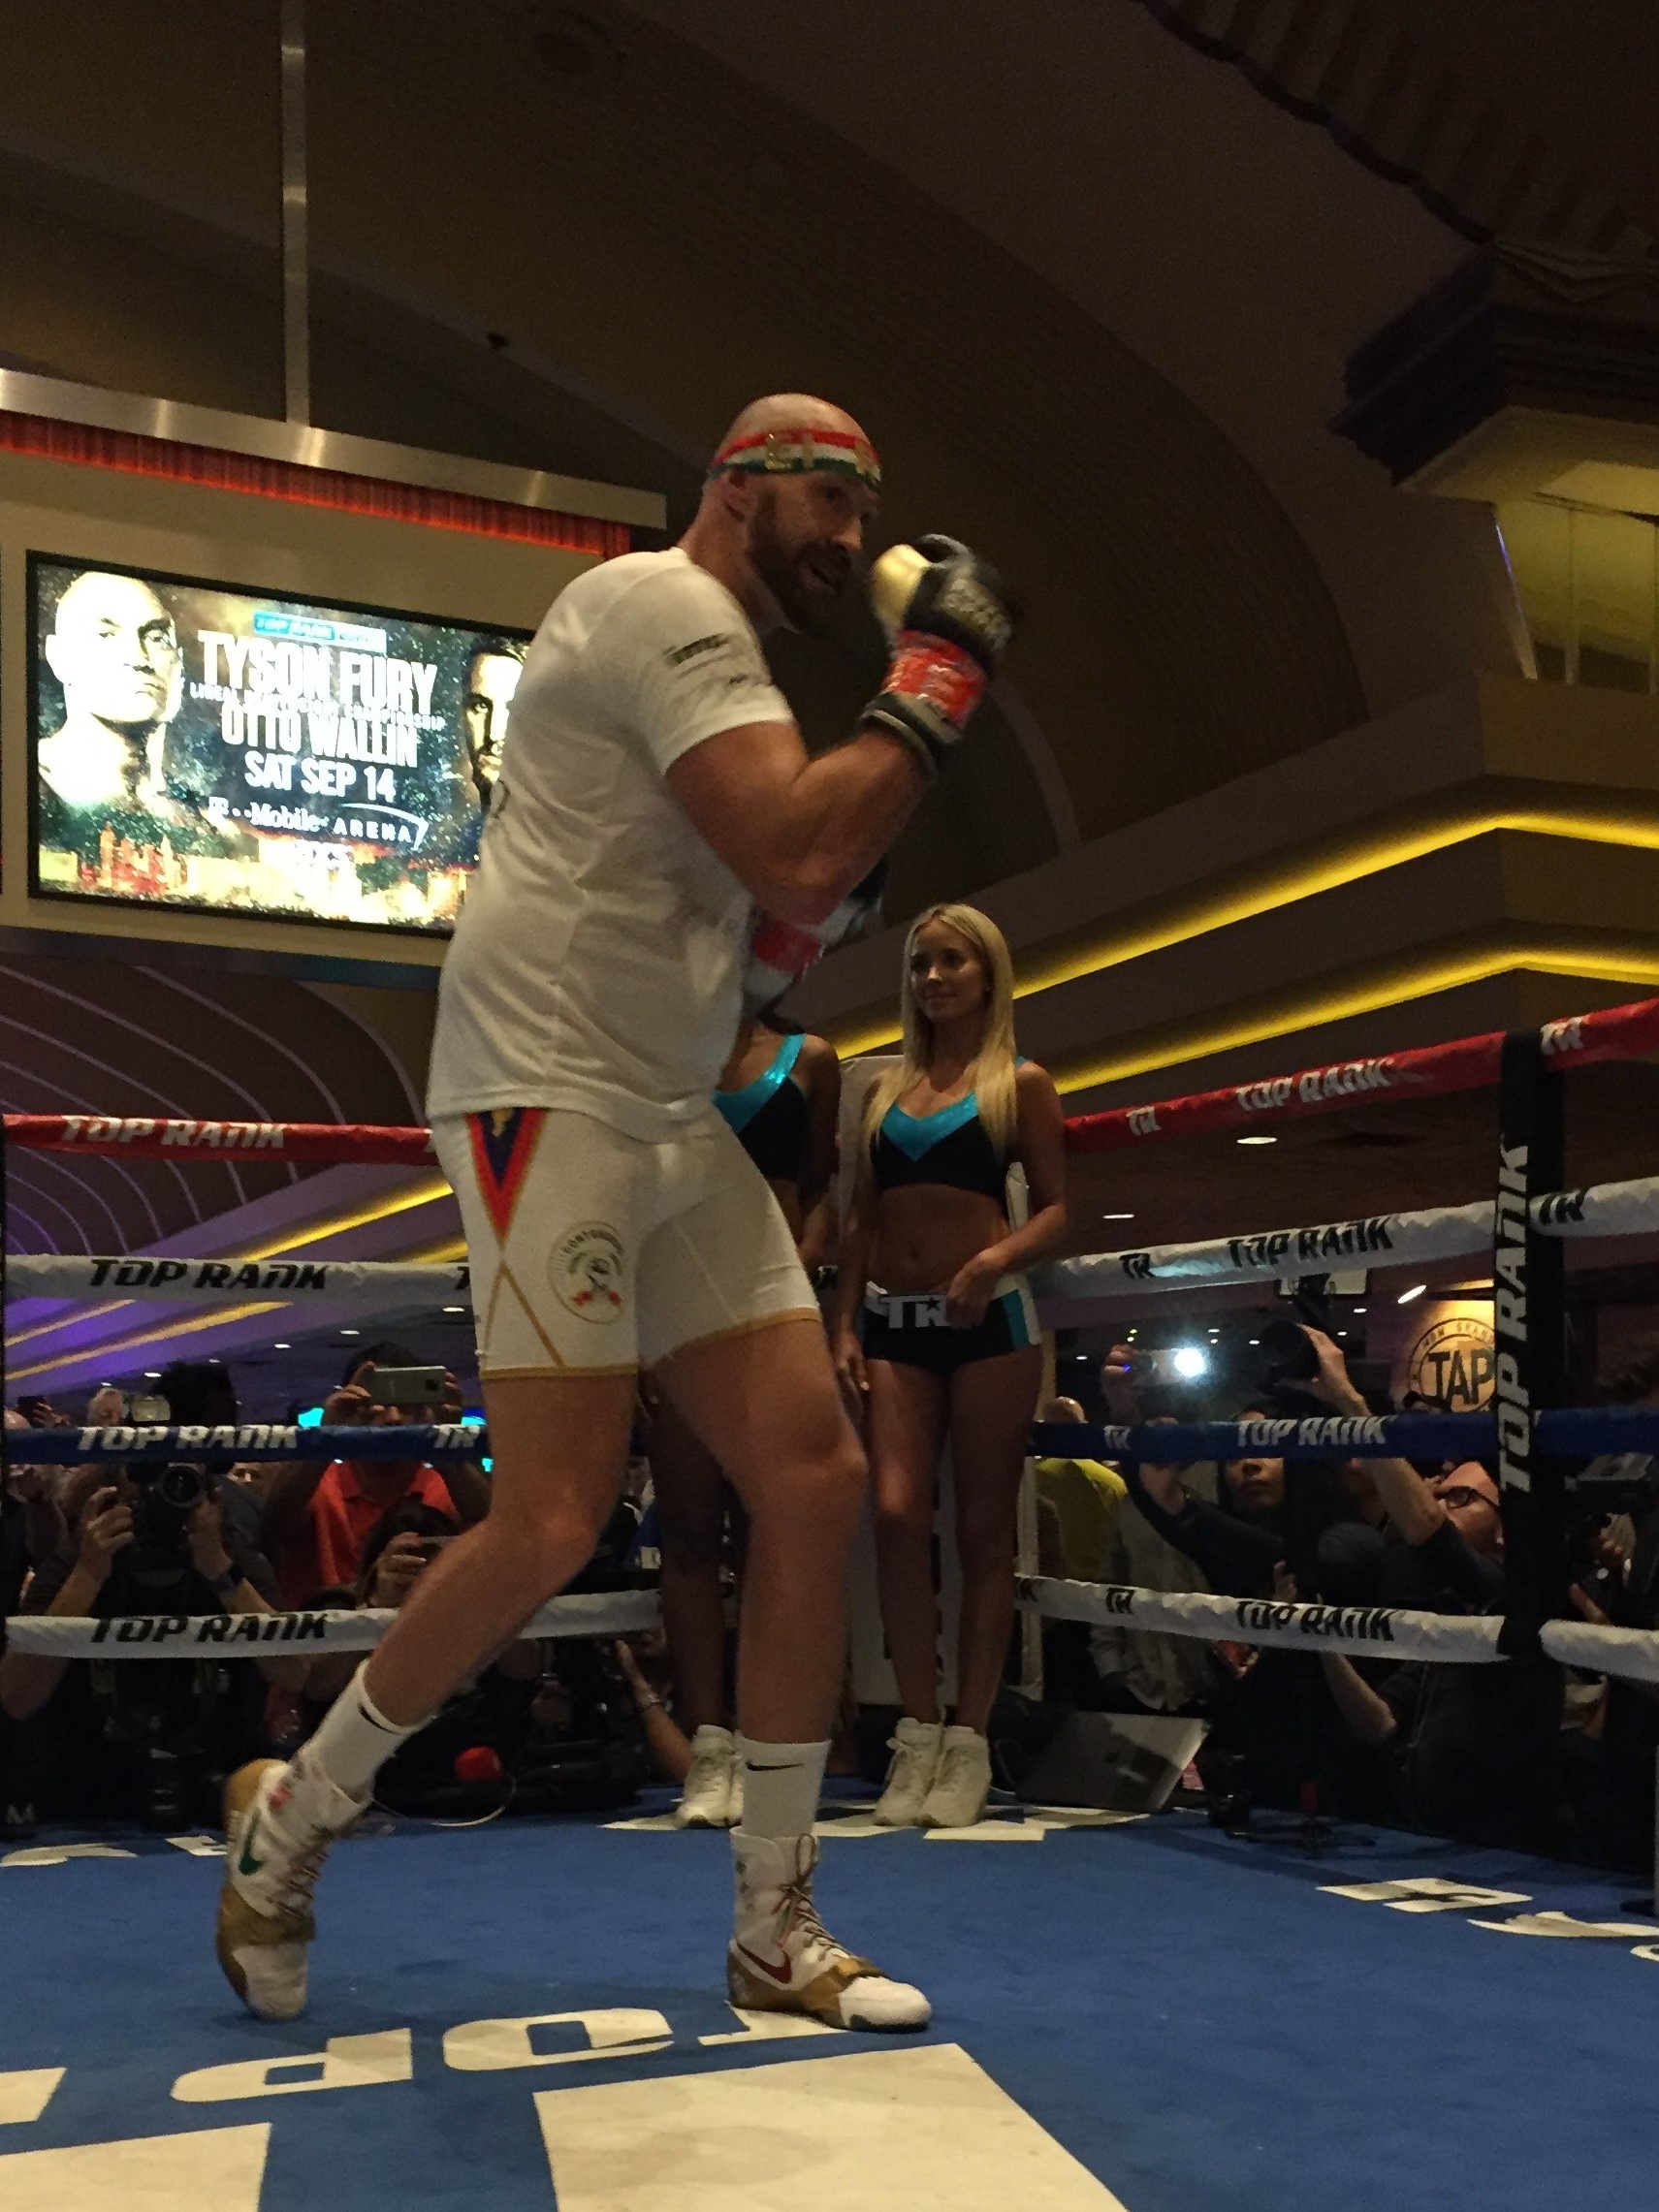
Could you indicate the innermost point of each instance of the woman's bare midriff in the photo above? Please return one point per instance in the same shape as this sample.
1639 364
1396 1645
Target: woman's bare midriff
926 1231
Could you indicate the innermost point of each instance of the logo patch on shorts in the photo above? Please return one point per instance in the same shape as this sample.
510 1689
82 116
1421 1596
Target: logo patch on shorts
586 1272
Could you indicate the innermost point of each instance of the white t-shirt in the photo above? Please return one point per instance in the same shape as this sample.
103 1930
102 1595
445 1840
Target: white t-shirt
595 965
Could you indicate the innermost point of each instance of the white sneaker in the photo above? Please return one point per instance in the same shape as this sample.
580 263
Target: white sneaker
279 1822
916 1747
963 1783
783 1959
711 1782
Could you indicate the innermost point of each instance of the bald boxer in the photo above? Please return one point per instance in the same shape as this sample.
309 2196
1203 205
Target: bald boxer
114 650
654 791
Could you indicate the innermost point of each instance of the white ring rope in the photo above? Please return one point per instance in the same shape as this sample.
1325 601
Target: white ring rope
1388 1240
143 1276
1633 1654
1360 1630
1435 1232
262 1635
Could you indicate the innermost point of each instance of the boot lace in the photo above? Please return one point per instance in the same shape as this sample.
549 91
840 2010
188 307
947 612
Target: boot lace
297 1880
907 1758
798 1914
955 1763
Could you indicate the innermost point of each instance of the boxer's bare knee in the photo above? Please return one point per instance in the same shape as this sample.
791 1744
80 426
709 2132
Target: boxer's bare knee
814 1496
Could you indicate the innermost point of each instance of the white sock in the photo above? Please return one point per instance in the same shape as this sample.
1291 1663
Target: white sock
781 1785
355 1740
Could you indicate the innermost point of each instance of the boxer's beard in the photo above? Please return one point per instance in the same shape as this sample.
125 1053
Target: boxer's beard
804 578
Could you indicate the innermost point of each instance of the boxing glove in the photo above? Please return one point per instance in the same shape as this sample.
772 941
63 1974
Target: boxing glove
947 611
778 954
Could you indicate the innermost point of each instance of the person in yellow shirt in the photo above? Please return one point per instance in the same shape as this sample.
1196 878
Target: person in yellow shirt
1077 1501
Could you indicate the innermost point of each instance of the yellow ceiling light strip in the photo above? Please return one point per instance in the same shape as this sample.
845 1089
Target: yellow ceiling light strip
1305 876
170 1331
426 1193
1607 961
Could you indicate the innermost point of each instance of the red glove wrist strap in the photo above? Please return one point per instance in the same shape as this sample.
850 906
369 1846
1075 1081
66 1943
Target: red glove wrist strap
933 668
781 945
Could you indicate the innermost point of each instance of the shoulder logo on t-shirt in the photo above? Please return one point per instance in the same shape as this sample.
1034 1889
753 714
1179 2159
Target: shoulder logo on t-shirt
680 654
586 1272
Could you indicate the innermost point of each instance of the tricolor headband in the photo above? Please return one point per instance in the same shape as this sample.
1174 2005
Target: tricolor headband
799 453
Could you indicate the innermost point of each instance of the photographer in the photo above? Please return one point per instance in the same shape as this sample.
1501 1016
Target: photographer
31 1526
1474 1750
148 1738
318 1516
490 1714
1273 1730
1235 1546
200 1393
1624 1590
1143 1670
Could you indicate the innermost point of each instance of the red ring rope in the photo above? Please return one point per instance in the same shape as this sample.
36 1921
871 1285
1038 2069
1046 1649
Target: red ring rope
149 1137
1469 1063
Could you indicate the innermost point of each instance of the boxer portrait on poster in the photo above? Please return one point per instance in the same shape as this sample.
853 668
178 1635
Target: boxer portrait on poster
197 744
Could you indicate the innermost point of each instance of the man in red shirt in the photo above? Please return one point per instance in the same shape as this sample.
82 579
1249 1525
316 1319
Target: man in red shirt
318 1518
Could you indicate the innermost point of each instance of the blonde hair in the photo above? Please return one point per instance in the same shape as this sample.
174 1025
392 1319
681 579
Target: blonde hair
991 1071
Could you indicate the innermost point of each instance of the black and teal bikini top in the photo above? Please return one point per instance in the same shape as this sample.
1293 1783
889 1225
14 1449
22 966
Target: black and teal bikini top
769 1116
950 1145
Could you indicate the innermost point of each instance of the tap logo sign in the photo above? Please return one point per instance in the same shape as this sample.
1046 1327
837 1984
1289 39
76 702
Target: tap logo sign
1452 1359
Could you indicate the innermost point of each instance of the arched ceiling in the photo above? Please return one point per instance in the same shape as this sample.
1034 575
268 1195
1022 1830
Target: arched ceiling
98 1037
663 233
1092 290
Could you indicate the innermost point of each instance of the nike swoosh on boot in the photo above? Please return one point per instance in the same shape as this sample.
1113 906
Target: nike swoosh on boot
782 1974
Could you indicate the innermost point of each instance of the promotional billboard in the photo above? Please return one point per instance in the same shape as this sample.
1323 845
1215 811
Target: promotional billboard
208 745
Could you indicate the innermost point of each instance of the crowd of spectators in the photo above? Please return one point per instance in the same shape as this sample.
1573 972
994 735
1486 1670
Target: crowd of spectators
86 1739
1522 1754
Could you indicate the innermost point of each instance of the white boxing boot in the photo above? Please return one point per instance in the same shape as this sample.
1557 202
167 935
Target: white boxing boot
916 1746
706 1796
783 1959
279 1821
962 1784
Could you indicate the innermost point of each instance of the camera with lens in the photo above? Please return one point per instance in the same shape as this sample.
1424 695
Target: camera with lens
164 1498
1613 1485
1287 1362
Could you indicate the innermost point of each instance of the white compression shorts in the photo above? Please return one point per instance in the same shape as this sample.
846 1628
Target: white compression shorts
594 1252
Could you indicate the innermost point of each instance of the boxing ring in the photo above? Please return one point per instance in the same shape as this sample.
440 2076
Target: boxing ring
1143 2015
1531 1432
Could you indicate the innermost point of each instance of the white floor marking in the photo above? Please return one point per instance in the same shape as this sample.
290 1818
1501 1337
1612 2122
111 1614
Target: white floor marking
921 2126
1080 1817
988 1832
199 1847
1564 1924
494 2047
769 2028
1424 1893
216 2170
25 2096
54 1854
344 2062
1028 1824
